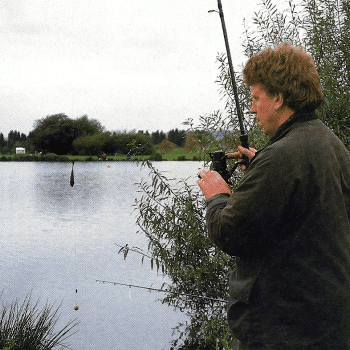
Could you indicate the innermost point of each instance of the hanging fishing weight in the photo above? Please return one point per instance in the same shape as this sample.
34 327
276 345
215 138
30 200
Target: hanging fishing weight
72 175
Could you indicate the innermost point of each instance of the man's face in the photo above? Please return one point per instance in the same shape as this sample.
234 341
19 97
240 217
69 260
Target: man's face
265 109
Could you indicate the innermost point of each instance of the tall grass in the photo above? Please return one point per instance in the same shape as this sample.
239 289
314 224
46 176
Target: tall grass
25 326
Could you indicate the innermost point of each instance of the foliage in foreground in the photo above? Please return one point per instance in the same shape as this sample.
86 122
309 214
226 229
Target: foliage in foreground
27 327
171 216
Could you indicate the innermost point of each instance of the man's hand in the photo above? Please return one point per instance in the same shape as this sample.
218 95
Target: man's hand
211 184
249 153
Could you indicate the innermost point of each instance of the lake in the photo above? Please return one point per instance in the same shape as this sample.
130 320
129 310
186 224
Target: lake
57 239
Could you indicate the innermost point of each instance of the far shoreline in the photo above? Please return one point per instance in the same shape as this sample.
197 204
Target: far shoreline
51 157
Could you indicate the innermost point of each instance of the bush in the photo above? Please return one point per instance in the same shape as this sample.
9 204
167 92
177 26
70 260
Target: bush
52 157
170 214
156 157
24 158
26 327
166 146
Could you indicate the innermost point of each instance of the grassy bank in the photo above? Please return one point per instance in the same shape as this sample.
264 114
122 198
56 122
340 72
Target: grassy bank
178 153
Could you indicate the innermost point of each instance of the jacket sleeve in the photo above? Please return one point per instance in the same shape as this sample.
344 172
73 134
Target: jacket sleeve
246 223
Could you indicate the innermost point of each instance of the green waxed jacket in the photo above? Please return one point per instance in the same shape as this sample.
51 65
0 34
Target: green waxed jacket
288 222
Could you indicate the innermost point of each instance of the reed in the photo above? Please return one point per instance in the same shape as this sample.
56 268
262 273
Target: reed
26 326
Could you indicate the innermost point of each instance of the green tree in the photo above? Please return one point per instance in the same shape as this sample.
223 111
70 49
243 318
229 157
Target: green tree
2 141
94 144
13 137
327 24
54 134
137 143
85 126
112 143
177 136
122 142
322 27
157 137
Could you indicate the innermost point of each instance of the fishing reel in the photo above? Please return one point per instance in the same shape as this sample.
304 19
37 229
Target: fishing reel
219 162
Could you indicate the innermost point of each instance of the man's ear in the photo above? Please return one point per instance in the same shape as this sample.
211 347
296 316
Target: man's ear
279 101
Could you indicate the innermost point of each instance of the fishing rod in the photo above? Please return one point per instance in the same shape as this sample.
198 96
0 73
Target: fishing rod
219 157
163 291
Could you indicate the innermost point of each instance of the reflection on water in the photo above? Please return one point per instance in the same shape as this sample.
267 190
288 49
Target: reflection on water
56 239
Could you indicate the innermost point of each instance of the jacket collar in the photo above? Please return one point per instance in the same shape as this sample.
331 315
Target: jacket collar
296 118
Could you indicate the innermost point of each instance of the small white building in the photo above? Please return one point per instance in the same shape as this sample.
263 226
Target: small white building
20 150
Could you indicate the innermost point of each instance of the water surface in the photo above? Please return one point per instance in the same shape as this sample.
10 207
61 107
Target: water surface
56 239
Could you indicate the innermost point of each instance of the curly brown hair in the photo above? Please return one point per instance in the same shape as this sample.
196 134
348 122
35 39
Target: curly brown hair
289 71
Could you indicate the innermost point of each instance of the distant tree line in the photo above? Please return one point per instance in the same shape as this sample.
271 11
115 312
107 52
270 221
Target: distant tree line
14 138
62 135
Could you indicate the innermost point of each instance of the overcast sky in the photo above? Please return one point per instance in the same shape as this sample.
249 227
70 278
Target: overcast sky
131 64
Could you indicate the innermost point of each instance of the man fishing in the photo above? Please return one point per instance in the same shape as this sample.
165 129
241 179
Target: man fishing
288 220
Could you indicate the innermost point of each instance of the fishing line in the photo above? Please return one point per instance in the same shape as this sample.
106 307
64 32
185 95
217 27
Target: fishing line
76 307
